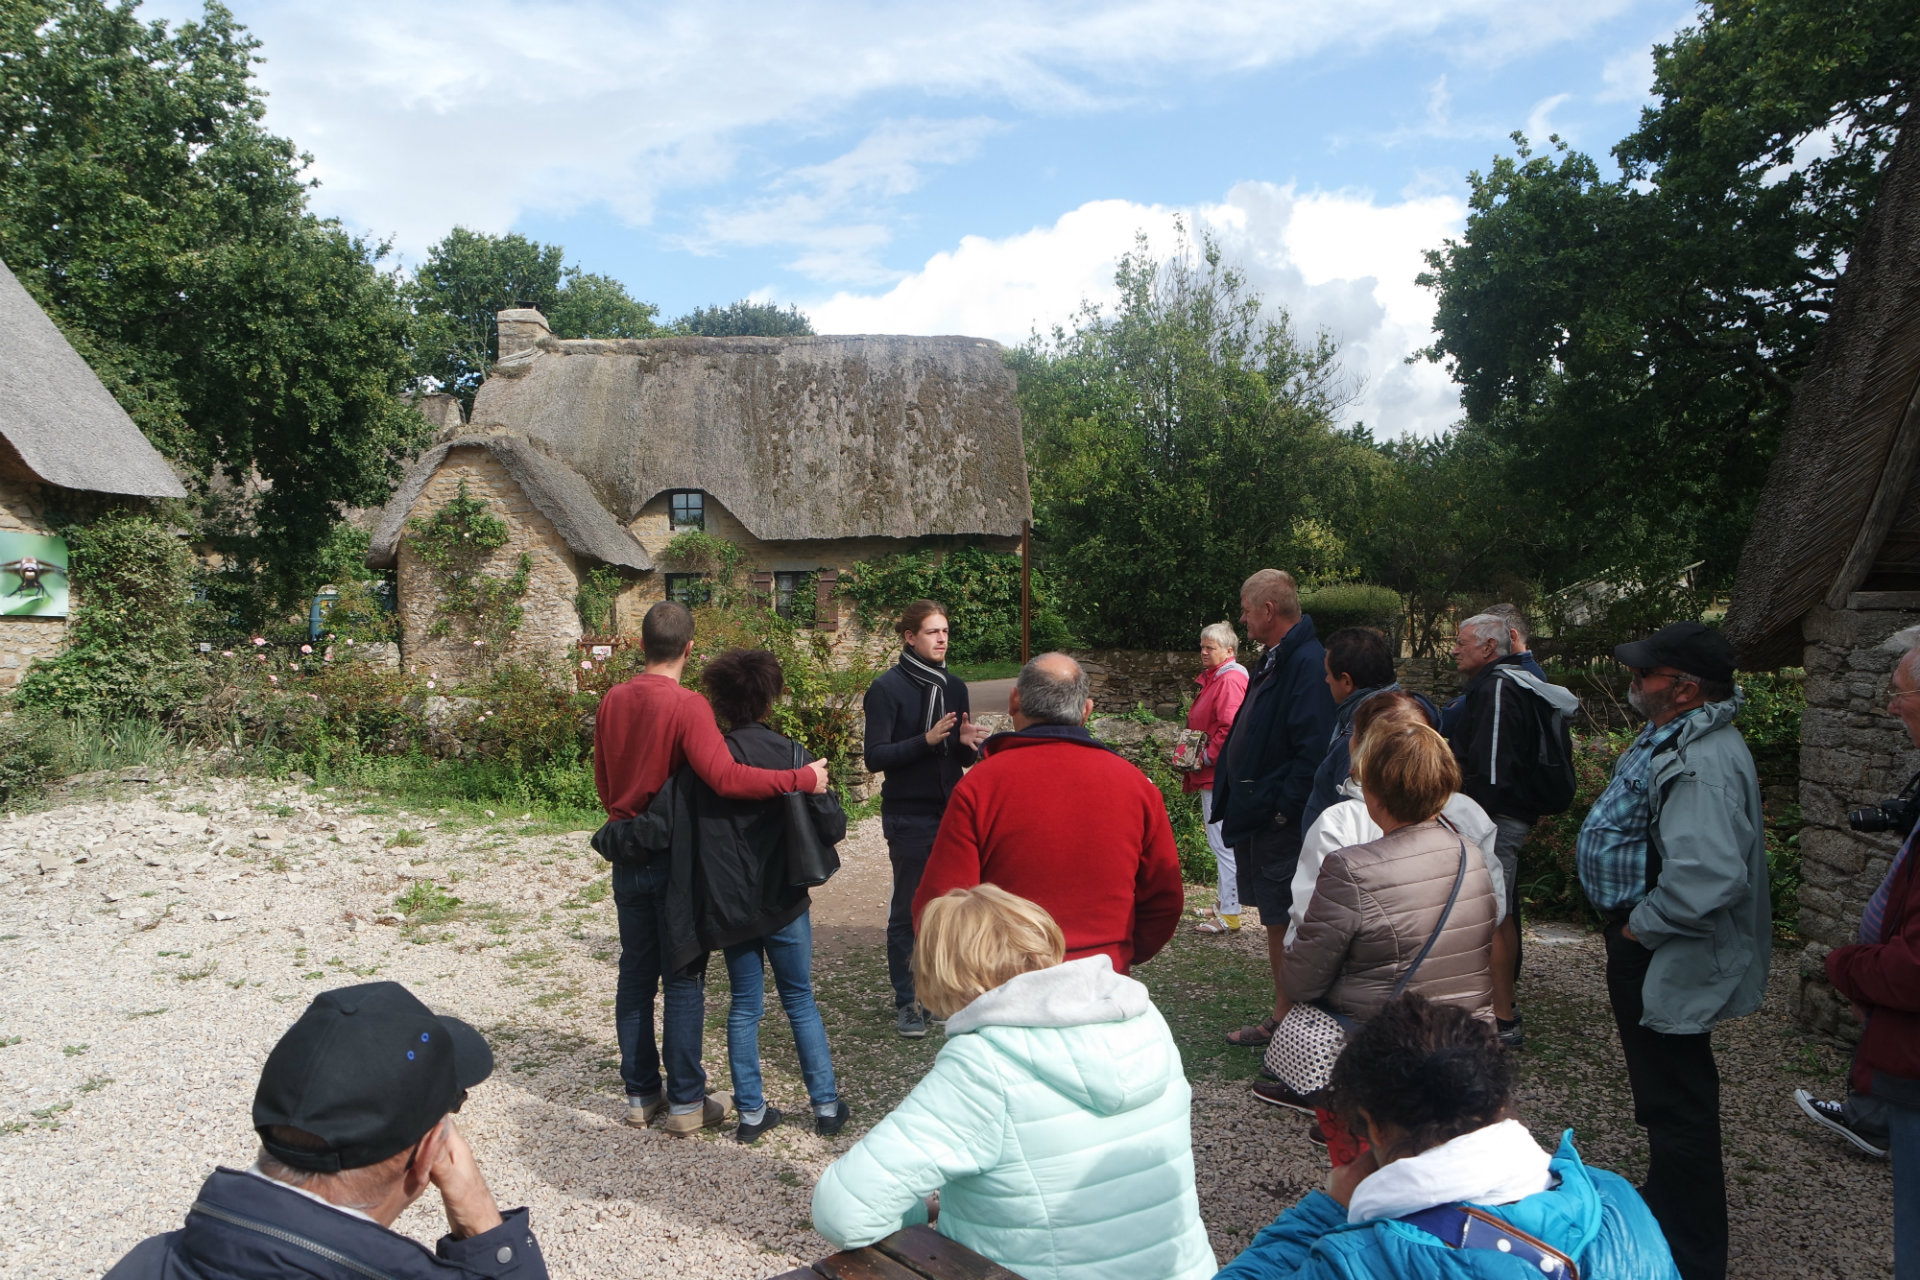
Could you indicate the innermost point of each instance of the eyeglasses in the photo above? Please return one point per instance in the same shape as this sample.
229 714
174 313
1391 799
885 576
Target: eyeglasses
1644 674
1894 695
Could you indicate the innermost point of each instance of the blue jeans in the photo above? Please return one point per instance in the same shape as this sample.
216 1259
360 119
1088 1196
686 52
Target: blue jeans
639 896
790 951
1903 1129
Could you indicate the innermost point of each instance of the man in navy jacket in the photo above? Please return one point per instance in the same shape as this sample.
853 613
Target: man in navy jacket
1266 768
918 735
354 1112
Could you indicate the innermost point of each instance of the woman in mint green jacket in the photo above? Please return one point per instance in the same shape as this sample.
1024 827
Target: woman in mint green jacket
1054 1124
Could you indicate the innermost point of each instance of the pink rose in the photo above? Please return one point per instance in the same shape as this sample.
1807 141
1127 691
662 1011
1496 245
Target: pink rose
306 648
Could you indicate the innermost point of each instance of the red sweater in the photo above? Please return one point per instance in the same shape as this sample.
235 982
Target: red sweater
1062 821
648 727
1885 978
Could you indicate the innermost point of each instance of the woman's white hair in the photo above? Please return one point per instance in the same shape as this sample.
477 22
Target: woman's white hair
1222 634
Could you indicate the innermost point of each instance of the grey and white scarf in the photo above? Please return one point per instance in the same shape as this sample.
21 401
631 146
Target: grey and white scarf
932 679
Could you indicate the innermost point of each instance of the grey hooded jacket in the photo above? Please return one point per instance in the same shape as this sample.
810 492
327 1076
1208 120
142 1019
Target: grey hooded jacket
1708 920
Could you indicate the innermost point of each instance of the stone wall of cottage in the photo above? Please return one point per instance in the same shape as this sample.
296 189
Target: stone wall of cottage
1162 682
24 508
1852 753
550 625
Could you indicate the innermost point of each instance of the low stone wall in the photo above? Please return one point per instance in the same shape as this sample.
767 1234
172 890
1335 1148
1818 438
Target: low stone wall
1123 679
22 640
1851 754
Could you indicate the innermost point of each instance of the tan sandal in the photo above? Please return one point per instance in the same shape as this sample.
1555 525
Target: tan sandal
1255 1036
1216 926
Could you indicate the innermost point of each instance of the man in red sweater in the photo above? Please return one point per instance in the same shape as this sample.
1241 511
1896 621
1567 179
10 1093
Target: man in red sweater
1058 818
645 729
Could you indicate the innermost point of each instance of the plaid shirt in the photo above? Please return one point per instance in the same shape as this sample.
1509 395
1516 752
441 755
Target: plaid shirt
1613 840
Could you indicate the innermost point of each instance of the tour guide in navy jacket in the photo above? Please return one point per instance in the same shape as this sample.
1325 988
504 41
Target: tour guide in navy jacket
1266 768
354 1116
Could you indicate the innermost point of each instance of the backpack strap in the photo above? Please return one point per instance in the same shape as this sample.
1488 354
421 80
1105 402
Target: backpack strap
1460 1226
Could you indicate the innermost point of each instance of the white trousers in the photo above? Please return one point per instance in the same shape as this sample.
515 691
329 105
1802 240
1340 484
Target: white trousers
1227 903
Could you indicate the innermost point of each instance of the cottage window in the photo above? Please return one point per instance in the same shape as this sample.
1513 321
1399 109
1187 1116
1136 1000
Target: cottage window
784 587
689 589
687 509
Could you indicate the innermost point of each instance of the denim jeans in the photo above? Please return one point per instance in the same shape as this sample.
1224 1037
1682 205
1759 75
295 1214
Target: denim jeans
909 841
1903 1129
789 950
639 895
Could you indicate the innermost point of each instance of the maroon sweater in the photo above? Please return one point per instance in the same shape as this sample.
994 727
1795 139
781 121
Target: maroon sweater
1055 817
1884 978
649 726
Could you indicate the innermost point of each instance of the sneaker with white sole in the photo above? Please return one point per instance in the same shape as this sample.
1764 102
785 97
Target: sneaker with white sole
911 1022
1834 1116
711 1113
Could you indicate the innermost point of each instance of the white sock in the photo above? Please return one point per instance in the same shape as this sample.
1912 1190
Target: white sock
753 1117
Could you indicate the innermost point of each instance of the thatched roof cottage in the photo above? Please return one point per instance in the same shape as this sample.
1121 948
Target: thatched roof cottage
67 449
808 455
1830 577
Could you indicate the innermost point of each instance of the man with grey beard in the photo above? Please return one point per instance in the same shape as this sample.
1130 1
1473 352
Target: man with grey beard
1674 855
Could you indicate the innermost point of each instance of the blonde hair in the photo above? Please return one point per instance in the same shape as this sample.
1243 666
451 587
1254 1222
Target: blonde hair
1408 768
1275 587
1222 634
972 940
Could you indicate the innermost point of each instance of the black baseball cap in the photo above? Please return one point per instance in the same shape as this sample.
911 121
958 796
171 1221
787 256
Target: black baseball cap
1693 647
368 1070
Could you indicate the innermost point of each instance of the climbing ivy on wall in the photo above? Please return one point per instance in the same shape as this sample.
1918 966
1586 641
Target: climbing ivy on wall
457 543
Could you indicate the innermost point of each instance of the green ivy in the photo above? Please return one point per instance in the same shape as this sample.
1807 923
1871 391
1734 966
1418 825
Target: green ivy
457 543
594 600
980 588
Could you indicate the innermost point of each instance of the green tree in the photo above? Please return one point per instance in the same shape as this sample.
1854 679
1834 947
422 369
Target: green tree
167 232
1177 445
745 319
469 277
1628 345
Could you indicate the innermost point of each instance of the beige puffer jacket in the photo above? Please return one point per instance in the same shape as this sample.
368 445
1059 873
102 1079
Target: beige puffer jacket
1375 906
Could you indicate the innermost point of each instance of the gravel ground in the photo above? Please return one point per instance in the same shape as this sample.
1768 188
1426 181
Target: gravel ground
156 938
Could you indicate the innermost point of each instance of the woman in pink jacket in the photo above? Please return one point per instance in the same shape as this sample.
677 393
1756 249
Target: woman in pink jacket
1223 683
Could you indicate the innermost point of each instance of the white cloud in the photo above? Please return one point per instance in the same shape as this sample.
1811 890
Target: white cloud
431 112
1627 76
1334 259
1540 119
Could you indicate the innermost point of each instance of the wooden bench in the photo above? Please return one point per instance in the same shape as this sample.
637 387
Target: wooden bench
918 1253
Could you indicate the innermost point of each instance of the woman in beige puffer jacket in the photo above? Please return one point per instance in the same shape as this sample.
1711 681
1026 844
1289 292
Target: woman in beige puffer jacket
1376 904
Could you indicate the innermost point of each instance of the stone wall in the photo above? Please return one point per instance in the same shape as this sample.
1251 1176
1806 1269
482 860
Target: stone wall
1163 682
550 626
1852 753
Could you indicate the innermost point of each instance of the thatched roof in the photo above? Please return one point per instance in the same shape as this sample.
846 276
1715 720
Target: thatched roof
65 425
839 437
553 487
1839 513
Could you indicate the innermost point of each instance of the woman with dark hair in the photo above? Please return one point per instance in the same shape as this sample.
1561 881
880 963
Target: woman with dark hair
1451 1179
751 911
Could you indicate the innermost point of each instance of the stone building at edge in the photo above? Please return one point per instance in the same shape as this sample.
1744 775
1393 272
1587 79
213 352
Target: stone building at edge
807 455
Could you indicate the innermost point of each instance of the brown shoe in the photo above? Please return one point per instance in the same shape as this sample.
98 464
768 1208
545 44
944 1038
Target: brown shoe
641 1114
711 1113
1275 1094
1255 1036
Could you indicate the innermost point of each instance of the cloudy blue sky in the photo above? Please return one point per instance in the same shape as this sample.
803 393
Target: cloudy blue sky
954 167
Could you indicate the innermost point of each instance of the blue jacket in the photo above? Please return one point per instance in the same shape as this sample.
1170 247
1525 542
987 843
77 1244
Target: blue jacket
1594 1217
240 1227
1338 764
1277 740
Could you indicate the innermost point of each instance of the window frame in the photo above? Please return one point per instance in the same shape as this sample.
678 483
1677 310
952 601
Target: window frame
698 500
680 581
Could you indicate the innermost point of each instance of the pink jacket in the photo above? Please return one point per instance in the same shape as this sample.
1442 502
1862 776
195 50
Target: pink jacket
1221 691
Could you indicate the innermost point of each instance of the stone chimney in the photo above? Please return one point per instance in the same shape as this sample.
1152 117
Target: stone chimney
520 330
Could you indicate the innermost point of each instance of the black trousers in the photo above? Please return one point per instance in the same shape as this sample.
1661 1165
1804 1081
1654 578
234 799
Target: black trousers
1676 1099
909 841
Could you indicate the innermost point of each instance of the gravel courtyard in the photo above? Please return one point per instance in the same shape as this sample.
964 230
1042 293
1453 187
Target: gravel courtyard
157 935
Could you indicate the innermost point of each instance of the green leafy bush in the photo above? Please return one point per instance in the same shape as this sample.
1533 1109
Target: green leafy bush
980 588
30 754
128 646
594 600
1353 604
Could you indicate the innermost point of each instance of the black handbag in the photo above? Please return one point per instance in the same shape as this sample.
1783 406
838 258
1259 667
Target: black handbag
810 860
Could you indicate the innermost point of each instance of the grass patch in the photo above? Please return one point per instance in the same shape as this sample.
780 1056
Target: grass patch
96 1084
7 1042
591 892
194 975
406 838
147 1013
555 797
74 1050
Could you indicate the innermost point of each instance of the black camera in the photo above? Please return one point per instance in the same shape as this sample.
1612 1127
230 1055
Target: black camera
1897 814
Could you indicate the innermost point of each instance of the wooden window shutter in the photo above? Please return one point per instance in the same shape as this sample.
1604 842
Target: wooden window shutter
826 609
763 588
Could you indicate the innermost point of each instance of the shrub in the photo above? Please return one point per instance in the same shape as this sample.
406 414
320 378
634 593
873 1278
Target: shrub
1354 604
594 600
30 754
980 588
128 639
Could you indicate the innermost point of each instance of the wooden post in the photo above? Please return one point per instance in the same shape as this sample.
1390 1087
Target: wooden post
1026 591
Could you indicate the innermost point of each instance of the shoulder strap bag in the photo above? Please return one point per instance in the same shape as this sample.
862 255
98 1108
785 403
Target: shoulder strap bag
810 860
1309 1039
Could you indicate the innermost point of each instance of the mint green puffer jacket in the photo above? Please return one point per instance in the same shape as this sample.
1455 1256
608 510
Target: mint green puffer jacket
1054 1124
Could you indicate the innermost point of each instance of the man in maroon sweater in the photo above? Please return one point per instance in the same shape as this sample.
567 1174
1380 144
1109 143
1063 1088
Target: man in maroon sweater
645 729
1058 818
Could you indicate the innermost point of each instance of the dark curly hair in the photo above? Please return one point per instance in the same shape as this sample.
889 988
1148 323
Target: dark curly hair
743 684
1432 1070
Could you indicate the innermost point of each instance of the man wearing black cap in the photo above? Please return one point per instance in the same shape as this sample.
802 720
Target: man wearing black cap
1674 854
354 1112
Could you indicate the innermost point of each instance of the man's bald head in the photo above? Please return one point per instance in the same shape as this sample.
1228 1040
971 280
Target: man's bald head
1052 689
